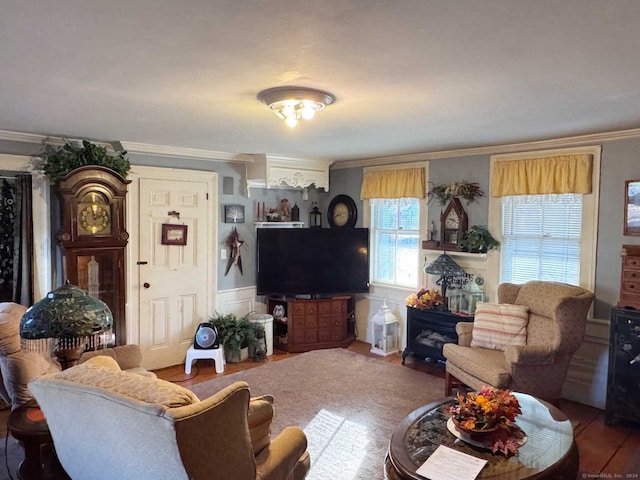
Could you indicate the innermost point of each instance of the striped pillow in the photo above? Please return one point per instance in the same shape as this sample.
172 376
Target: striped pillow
497 325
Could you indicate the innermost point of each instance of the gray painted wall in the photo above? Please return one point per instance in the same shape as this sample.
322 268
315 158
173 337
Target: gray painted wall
620 162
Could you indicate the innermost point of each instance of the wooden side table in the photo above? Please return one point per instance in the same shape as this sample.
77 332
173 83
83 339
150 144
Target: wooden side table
28 425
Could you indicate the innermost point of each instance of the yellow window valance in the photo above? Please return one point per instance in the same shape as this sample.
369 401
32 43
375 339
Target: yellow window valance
536 176
401 183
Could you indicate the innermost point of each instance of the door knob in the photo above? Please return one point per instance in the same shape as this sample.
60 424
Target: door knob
146 285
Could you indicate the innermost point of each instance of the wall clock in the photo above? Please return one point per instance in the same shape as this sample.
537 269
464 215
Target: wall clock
453 224
93 236
342 212
234 214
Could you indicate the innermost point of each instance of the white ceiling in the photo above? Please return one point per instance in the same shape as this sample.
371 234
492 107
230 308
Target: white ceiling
410 76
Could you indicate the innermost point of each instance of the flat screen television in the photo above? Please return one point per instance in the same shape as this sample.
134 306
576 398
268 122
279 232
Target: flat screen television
312 261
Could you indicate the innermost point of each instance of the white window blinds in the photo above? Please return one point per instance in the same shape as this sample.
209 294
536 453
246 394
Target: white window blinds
541 238
395 226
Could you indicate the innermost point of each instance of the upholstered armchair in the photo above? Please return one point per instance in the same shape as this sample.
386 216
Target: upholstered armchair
525 343
20 360
107 423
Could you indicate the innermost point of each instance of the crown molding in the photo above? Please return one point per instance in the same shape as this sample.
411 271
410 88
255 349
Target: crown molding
211 155
35 138
195 153
491 150
21 137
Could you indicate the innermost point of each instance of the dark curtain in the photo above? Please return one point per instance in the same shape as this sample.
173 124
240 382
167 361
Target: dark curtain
7 222
23 242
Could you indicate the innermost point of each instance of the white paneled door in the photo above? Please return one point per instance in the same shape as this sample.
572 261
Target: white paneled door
173 280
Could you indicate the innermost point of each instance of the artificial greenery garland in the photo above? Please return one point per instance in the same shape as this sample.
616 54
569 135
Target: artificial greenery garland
446 191
56 162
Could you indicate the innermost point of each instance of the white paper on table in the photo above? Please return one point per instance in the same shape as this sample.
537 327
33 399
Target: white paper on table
449 464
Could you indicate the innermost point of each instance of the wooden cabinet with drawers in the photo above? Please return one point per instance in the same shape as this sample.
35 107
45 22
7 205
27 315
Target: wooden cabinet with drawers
311 324
630 277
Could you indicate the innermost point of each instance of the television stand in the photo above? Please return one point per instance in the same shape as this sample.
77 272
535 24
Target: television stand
313 323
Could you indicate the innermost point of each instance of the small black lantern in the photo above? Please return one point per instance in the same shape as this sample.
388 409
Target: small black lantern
315 217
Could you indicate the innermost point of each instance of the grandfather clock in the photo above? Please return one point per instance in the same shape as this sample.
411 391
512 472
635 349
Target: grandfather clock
93 236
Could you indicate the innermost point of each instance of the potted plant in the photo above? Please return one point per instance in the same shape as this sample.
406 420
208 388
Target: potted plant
237 335
57 161
478 240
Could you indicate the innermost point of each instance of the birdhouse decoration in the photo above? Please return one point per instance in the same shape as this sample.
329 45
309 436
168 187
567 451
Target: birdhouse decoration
384 325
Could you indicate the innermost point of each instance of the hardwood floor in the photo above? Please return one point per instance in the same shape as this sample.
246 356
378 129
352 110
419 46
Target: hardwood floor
603 449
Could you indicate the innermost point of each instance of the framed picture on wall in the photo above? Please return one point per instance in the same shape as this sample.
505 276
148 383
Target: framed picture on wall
173 234
632 207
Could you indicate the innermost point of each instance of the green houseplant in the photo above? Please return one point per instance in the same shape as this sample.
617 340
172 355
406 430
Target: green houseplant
57 161
478 239
236 334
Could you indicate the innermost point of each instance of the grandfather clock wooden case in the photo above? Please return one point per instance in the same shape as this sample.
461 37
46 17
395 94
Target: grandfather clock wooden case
93 236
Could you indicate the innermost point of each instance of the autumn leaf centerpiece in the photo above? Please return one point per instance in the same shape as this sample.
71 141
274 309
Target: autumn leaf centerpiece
489 413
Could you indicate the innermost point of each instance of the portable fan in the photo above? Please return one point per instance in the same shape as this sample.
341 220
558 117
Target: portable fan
206 337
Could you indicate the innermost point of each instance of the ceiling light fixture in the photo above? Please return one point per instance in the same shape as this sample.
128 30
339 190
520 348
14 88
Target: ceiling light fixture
293 103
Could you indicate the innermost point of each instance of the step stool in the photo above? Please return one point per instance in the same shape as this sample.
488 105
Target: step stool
215 354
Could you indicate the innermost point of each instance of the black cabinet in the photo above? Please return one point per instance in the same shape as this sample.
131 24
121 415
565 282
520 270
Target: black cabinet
623 386
428 331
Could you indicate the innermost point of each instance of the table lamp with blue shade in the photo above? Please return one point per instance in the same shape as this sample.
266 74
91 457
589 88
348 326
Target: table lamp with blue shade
69 315
451 274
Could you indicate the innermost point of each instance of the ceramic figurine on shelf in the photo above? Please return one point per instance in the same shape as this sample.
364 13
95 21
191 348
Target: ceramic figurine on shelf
285 210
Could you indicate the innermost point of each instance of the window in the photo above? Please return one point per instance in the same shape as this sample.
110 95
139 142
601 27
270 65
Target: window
541 238
395 241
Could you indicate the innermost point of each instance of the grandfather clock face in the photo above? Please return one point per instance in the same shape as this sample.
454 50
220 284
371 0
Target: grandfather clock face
453 224
93 215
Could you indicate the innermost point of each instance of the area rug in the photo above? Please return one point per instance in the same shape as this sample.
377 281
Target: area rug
348 404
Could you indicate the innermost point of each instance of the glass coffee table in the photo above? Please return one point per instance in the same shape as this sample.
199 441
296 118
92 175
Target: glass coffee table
549 451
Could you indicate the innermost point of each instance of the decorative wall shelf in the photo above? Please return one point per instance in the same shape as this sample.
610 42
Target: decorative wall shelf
287 173
456 253
279 224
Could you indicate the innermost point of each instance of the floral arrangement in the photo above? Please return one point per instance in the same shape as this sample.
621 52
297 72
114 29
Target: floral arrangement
490 410
273 215
446 191
424 299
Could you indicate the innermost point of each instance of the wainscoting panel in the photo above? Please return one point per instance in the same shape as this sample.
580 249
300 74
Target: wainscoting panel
238 301
586 380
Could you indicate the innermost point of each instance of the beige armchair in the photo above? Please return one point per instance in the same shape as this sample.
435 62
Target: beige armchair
107 423
19 364
557 315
